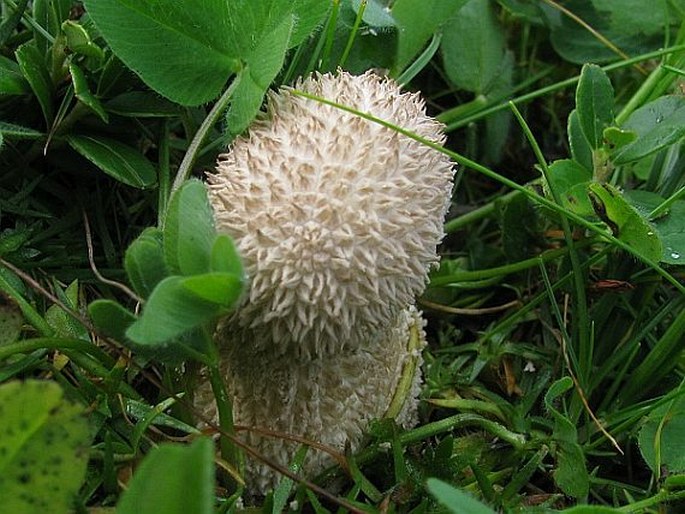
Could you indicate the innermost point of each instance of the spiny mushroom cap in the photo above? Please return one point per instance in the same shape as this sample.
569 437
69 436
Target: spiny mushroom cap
337 217
328 400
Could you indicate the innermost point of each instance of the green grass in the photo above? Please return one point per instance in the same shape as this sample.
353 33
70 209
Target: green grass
556 321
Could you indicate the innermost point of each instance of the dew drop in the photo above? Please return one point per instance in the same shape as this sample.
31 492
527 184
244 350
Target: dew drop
675 255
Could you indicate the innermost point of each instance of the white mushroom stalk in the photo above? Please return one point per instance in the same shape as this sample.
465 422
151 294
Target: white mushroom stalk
337 219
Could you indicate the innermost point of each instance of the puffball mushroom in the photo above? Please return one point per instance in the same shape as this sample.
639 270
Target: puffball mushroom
337 219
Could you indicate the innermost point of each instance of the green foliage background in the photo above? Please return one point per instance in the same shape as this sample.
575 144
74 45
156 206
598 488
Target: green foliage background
554 376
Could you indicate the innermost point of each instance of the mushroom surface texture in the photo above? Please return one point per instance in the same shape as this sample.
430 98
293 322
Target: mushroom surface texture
328 400
337 219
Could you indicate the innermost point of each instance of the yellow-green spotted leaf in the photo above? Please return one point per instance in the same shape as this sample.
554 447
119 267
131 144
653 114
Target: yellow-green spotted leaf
43 448
11 319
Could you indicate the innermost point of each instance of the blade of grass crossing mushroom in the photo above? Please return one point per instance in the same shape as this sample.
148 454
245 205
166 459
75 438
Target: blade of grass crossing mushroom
484 170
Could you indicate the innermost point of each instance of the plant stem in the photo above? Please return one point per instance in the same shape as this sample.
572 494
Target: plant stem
164 176
660 497
229 452
189 158
55 343
468 276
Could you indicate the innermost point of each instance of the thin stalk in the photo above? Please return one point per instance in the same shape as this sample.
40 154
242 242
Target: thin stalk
664 206
330 34
54 343
518 441
421 61
467 276
421 433
164 177
353 34
658 499
229 451
477 214
189 158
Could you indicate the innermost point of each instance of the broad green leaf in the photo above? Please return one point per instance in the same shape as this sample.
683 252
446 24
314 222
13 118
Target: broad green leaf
142 104
144 261
375 14
18 132
571 472
498 124
417 21
580 148
616 138
181 51
671 229
11 319
575 43
82 92
523 10
32 65
43 448
594 103
171 311
564 429
207 45
570 180
456 501
189 230
633 17
263 64
62 322
222 289
79 42
657 124
123 162
173 479
12 82
309 14
473 47
225 257
624 220
110 318
662 437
